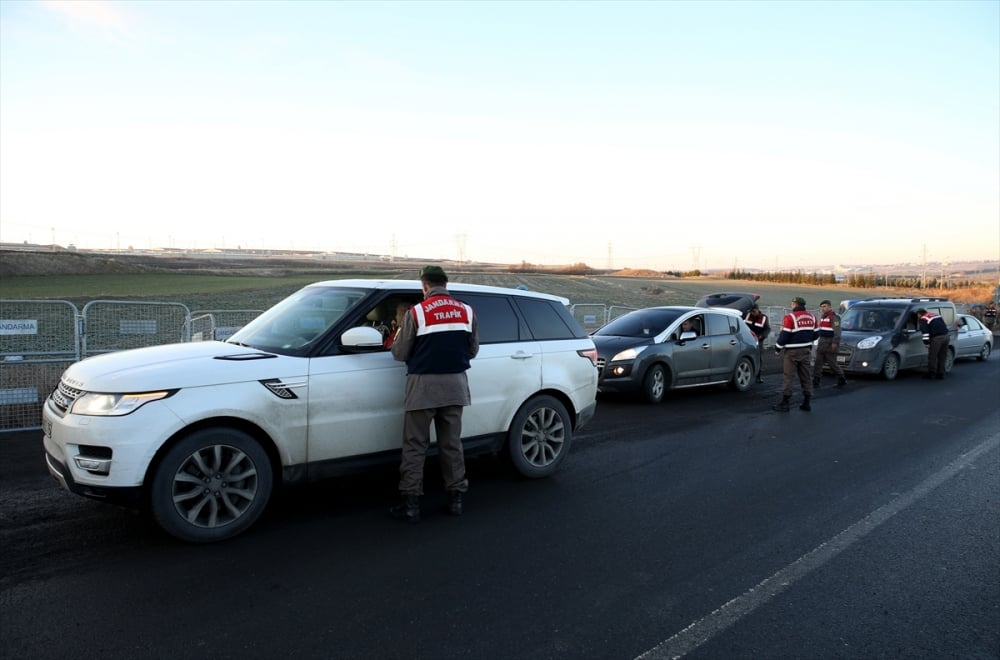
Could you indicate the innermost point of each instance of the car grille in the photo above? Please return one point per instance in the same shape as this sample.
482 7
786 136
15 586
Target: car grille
64 396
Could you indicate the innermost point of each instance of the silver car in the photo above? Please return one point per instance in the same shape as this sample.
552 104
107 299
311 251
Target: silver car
653 350
975 340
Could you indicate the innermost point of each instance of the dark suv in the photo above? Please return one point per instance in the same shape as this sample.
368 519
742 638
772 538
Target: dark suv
882 336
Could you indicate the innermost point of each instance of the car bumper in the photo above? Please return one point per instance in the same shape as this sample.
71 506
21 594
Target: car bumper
860 361
130 497
103 453
585 415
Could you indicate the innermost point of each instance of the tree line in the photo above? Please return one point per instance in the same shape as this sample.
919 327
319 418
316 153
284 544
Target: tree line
855 280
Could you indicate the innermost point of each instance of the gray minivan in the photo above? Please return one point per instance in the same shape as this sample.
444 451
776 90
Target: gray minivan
882 336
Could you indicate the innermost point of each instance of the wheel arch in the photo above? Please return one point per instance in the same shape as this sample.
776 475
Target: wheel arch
556 394
251 429
667 370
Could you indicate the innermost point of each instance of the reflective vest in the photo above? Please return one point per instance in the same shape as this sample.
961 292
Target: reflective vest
932 325
798 330
829 326
759 325
441 345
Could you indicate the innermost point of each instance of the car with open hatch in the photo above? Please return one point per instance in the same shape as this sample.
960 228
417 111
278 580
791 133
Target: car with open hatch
202 433
881 336
740 301
650 351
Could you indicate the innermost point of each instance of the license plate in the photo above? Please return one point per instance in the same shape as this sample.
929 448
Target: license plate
841 359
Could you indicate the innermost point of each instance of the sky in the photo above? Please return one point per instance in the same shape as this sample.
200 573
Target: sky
664 135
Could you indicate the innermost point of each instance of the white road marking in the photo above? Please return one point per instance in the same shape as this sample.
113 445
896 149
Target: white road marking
722 618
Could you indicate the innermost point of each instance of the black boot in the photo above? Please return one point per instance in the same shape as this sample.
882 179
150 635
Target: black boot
815 383
805 403
408 509
783 405
842 382
455 502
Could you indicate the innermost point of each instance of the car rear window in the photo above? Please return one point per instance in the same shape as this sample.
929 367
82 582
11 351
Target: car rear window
718 324
497 320
548 319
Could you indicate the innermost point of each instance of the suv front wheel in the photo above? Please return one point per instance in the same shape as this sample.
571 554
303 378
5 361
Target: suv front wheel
539 437
211 485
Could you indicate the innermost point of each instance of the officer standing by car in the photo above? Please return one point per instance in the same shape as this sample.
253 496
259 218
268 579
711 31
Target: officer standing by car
757 321
798 332
829 342
935 332
437 339
990 315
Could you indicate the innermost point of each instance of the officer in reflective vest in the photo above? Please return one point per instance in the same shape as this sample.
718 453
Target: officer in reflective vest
826 347
798 332
757 321
935 332
437 339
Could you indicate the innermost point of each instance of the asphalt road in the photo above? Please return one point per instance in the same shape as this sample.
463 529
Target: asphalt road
705 527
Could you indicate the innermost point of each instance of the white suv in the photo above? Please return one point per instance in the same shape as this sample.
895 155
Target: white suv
201 433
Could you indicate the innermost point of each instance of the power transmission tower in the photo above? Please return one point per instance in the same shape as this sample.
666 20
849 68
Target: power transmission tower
695 255
460 241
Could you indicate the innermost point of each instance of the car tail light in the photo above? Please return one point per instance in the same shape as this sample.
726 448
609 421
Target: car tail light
590 354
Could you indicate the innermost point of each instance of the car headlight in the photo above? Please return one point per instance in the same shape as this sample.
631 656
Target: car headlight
629 353
869 342
110 405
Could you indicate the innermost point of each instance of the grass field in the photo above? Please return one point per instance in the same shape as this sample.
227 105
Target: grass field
258 283
215 291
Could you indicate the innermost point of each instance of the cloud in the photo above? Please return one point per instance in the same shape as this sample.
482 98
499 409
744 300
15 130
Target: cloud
101 14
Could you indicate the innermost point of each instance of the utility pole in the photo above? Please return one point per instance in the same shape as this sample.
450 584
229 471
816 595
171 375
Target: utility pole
923 269
610 259
460 240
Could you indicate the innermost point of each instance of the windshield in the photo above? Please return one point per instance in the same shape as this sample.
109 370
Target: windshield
640 323
870 319
298 319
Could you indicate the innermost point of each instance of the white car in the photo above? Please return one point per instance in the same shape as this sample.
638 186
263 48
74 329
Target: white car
974 340
201 433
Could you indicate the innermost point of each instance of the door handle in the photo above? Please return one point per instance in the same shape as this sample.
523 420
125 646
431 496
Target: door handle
521 355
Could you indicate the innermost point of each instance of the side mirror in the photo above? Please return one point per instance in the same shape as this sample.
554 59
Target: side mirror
689 335
362 339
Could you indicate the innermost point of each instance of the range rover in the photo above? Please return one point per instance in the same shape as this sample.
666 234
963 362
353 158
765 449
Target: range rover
201 433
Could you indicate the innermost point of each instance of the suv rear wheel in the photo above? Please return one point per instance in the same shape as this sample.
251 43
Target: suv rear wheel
539 437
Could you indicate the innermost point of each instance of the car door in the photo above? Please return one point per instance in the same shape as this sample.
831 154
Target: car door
692 358
911 349
725 346
970 337
355 404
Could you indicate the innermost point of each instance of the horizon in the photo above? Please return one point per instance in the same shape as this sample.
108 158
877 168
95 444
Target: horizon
930 269
667 136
